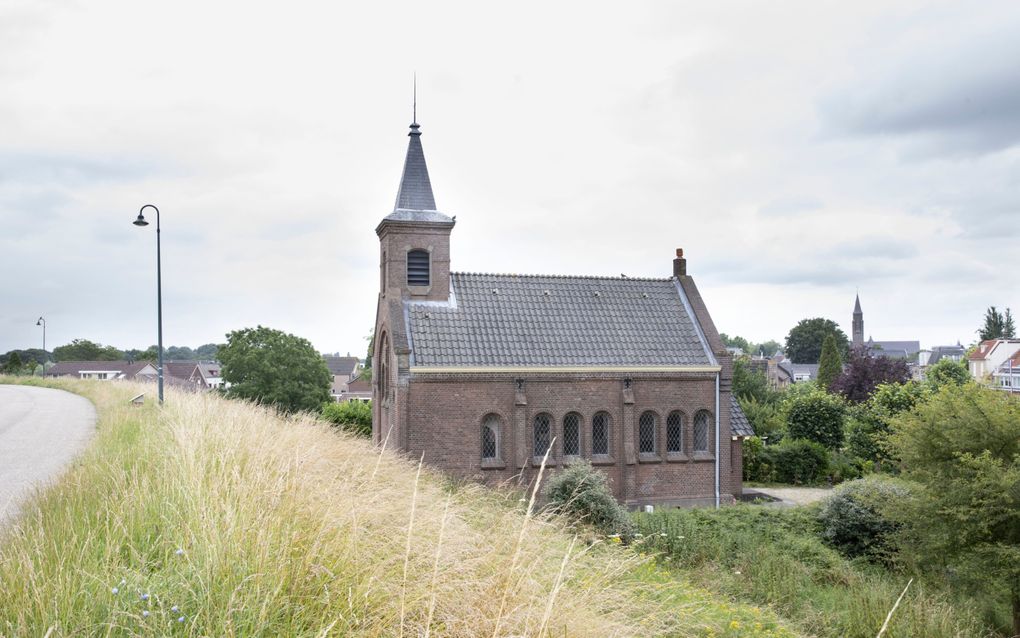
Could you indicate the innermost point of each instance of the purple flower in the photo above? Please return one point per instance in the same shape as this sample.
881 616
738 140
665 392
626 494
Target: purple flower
181 619
175 609
115 590
145 613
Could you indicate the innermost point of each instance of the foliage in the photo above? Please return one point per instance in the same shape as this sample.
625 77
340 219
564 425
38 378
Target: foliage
352 416
756 466
582 492
767 419
963 448
749 384
766 348
817 417
997 325
864 372
85 350
13 364
797 461
207 351
830 364
36 355
946 371
804 342
852 520
843 467
179 353
868 426
777 559
736 342
273 367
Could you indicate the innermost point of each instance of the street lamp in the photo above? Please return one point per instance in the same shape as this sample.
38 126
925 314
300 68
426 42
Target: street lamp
42 322
159 295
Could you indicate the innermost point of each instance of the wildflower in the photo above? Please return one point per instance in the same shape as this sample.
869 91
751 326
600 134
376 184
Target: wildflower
179 552
662 534
181 619
123 581
734 624
145 613
144 597
737 572
115 590
175 609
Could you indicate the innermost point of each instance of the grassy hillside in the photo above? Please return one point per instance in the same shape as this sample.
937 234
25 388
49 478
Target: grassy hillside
212 517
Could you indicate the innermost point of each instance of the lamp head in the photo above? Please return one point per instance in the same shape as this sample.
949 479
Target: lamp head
39 323
141 220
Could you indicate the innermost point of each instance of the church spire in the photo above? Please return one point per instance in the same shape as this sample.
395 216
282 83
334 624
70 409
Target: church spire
858 323
415 192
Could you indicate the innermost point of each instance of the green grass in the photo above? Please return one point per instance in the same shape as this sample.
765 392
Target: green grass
774 558
253 524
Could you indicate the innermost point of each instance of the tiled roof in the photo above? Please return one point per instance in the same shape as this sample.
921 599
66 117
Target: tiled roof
75 367
900 349
546 321
179 369
342 366
415 192
738 420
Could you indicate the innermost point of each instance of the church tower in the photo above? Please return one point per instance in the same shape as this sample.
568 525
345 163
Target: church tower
858 325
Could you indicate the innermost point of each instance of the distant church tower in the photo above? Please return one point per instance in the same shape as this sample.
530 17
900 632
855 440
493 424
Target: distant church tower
858 339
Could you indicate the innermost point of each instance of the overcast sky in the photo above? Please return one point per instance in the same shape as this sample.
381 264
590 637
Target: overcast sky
797 152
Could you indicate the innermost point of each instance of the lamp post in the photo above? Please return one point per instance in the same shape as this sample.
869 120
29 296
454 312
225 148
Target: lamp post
140 221
42 322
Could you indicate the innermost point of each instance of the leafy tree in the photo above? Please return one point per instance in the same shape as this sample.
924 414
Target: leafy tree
804 343
869 425
273 367
13 364
963 448
817 417
863 373
207 352
352 416
946 371
751 384
179 353
997 325
767 419
830 364
736 342
85 350
769 348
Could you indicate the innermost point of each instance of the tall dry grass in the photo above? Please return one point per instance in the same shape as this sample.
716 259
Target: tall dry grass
218 518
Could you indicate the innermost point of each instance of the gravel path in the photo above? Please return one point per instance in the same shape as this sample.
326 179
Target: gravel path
791 496
41 430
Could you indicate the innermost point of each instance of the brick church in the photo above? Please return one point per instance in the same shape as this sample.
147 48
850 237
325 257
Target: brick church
484 373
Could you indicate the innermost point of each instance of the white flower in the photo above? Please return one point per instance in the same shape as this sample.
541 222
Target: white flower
115 590
175 609
179 552
145 613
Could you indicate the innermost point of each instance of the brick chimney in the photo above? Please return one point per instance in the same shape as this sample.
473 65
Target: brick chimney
679 264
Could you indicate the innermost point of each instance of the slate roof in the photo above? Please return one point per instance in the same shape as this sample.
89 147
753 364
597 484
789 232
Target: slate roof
548 321
341 366
739 424
901 349
74 368
415 192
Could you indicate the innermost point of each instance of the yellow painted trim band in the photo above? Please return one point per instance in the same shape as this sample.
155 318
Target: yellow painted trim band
556 369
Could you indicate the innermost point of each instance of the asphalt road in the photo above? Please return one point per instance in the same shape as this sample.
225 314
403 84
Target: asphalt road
41 430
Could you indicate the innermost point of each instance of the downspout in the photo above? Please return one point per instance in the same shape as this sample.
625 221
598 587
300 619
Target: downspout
718 451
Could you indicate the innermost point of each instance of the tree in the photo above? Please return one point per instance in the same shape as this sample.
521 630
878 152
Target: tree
863 373
179 353
768 348
272 367
207 352
869 427
830 364
997 325
85 350
751 384
804 343
817 417
963 448
736 342
946 371
14 364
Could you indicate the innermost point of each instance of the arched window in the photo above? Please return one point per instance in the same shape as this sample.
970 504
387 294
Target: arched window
701 424
384 366
418 268
647 423
543 433
490 437
674 433
572 434
600 434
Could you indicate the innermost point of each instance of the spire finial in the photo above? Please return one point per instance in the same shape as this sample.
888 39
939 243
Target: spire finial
414 98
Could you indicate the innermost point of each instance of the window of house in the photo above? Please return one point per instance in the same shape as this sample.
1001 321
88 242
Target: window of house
646 432
674 433
572 434
701 423
543 434
600 434
490 437
418 268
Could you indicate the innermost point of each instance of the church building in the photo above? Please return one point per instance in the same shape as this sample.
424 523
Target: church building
486 374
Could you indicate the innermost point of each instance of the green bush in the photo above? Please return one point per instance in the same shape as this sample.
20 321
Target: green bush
852 521
798 461
353 416
582 492
817 417
756 460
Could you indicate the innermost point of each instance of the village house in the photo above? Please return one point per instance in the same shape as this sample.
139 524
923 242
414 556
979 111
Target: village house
990 355
483 375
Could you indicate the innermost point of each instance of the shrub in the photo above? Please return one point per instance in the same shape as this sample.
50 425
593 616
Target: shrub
852 521
798 461
843 467
817 417
353 416
756 460
582 492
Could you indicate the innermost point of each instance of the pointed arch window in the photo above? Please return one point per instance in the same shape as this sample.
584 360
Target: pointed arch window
543 434
674 433
490 437
600 434
418 267
572 434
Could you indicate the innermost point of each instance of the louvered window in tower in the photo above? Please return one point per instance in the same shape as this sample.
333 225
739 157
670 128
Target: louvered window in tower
418 268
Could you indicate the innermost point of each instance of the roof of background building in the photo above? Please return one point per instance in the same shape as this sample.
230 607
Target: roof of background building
1011 363
341 366
901 349
542 320
738 420
940 352
127 368
986 347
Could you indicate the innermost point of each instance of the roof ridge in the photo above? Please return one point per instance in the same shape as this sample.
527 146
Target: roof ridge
548 276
